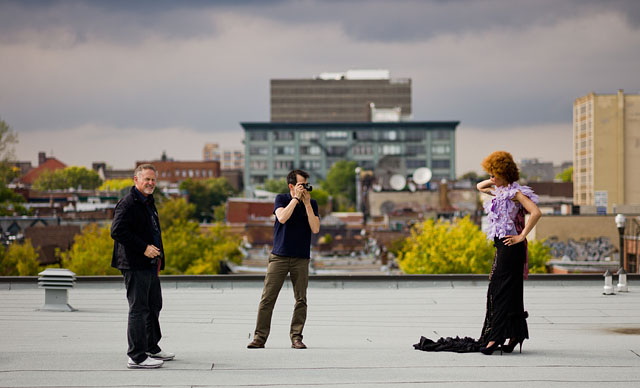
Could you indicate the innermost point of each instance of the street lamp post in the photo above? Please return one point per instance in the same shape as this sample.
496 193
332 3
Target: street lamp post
358 190
620 221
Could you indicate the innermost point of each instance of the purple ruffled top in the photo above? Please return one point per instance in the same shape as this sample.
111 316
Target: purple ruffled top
503 212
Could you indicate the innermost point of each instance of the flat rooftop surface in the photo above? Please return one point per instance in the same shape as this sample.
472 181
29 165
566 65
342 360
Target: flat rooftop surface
359 334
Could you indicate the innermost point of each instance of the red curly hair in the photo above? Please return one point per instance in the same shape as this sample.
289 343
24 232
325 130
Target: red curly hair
501 163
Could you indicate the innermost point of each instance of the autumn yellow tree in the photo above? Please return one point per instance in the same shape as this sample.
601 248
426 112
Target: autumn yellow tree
19 259
437 247
539 255
91 252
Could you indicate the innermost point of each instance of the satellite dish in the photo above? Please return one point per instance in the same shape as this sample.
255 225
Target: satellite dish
376 187
397 182
422 175
412 187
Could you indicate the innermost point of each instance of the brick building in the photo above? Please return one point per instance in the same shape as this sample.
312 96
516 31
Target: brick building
170 171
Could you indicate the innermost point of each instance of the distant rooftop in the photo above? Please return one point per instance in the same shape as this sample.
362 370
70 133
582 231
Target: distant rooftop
356 74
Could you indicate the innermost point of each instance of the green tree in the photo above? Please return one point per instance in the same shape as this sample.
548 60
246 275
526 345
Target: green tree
217 245
566 175
69 177
207 193
19 259
220 213
539 255
175 210
10 202
321 196
91 252
341 184
444 247
190 250
276 185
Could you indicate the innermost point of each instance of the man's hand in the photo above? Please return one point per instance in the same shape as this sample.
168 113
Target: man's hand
306 198
299 191
151 251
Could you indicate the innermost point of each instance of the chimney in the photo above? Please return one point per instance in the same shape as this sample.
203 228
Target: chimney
42 158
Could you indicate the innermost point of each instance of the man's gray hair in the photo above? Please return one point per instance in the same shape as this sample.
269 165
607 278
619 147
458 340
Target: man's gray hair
145 166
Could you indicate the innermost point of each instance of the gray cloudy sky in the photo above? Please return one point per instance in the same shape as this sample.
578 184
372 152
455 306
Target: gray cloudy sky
120 81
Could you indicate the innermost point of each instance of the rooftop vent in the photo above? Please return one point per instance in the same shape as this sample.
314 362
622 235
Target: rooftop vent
56 282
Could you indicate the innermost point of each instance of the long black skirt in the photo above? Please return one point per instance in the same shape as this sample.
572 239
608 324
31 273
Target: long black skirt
505 315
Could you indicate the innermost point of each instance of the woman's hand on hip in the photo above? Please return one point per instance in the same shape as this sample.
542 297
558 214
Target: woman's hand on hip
513 239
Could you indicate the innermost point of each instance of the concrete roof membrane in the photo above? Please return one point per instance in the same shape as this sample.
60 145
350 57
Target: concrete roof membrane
359 333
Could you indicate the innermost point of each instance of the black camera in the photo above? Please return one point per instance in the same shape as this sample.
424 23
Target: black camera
307 186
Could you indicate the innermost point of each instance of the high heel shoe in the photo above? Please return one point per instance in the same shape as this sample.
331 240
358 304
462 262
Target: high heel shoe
488 350
508 348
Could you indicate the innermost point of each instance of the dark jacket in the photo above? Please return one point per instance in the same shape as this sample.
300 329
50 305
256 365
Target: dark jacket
132 231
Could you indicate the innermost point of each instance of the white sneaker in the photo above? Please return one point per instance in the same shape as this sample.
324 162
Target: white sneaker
162 355
149 363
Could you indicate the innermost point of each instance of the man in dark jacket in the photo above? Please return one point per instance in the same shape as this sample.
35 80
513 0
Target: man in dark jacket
138 254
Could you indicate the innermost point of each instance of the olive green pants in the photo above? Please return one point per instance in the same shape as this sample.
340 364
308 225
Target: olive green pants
277 270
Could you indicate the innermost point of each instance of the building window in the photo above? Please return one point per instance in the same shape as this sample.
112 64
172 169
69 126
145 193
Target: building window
283 165
310 150
184 173
441 135
364 135
308 135
337 135
286 150
390 149
259 136
415 135
190 173
390 135
283 135
445 163
413 149
440 149
257 179
258 164
366 164
311 164
413 163
258 151
336 150
362 149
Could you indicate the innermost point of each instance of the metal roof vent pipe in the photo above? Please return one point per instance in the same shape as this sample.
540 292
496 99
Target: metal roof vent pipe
56 282
608 283
622 281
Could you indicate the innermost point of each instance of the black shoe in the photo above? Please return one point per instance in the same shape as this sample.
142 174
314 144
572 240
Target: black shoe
508 348
488 350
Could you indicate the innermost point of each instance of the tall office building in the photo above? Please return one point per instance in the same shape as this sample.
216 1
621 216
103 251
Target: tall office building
359 115
606 150
229 159
339 97
274 149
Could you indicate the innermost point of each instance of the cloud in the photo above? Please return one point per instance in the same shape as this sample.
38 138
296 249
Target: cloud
205 66
548 143
121 147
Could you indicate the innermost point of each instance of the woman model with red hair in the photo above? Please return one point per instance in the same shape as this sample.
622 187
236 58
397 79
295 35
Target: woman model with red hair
505 315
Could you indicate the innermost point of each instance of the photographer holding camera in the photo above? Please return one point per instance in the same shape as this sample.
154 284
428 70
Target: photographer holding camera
296 218
137 253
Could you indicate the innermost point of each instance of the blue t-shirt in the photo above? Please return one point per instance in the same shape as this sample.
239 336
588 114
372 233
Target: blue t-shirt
293 238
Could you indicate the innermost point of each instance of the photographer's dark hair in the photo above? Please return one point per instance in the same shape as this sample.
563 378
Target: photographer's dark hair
291 177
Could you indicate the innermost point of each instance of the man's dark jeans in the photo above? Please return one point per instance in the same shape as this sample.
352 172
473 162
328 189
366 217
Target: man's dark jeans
145 302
